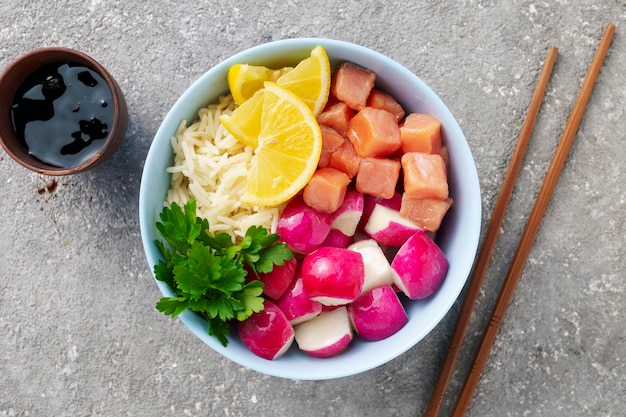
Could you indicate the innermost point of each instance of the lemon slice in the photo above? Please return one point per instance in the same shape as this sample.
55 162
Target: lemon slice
288 150
244 80
244 123
310 80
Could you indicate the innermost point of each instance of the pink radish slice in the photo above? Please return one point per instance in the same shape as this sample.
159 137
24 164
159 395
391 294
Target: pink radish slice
296 304
369 202
333 276
347 217
301 227
326 335
275 283
420 266
388 227
377 314
377 268
337 239
268 333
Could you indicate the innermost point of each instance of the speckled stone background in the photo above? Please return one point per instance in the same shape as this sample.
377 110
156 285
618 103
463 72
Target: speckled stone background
79 334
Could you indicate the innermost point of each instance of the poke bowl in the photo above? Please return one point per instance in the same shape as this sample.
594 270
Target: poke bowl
457 237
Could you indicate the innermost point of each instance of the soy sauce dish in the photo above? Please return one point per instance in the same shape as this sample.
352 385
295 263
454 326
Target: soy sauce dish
61 112
458 237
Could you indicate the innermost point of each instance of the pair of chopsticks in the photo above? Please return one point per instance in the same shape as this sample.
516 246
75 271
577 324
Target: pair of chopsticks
527 238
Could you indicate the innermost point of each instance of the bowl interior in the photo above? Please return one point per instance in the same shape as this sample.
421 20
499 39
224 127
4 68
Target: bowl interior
458 237
17 73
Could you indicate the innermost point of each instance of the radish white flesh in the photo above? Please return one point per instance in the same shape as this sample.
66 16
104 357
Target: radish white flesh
377 314
369 202
388 227
377 268
268 333
347 217
326 335
333 276
301 227
275 283
297 305
420 266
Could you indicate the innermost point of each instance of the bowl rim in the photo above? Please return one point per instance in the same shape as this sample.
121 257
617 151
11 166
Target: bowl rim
332 367
48 55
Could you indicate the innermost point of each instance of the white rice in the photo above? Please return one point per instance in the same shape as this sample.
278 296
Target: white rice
211 166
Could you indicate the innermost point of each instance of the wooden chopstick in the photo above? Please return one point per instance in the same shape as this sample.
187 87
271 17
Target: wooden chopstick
532 225
491 235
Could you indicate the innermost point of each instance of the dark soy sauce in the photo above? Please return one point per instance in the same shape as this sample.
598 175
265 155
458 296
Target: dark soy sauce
62 113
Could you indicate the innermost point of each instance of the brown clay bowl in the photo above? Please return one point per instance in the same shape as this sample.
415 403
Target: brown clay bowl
16 74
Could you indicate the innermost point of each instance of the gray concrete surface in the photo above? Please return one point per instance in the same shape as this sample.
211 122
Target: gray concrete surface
79 334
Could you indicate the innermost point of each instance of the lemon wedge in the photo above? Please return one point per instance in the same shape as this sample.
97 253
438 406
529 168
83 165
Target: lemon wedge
244 123
288 148
244 80
310 80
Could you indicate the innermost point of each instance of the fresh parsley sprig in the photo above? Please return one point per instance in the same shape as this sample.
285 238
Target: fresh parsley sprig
207 273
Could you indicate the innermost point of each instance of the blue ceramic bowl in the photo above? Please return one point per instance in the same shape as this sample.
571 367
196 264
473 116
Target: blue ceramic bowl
458 237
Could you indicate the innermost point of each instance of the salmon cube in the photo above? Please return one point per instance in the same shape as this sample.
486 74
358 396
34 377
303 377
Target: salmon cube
326 190
421 133
337 116
352 84
331 141
378 177
345 160
374 132
427 213
445 154
425 175
383 101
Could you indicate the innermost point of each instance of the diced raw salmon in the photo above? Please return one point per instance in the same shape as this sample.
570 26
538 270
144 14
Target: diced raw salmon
331 101
326 190
374 133
337 116
378 177
381 100
425 175
352 84
421 133
425 212
445 154
345 160
331 141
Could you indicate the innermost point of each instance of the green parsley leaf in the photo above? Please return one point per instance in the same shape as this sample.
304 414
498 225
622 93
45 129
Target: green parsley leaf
261 250
179 228
251 298
172 306
272 255
220 329
207 273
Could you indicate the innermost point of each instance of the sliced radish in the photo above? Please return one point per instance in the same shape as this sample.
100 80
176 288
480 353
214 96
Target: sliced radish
275 283
326 335
297 305
301 227
420 266
337 239
377 268
377 314
268 333
369 202
388 227
333 276
347 217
